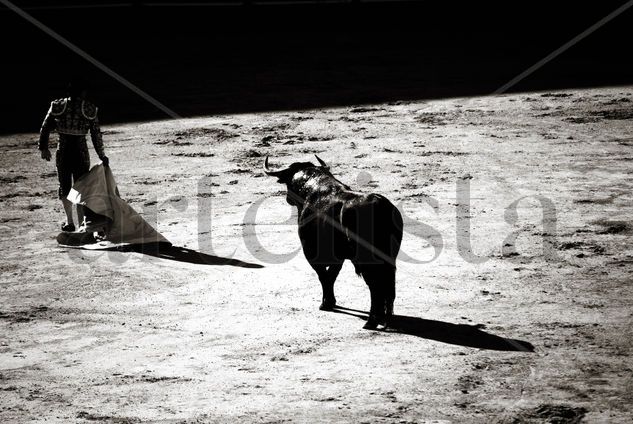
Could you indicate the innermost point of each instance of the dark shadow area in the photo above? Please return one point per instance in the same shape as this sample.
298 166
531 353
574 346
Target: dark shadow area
182 254
234 59
157 250
457 334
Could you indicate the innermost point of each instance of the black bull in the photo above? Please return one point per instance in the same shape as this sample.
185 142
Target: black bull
335 224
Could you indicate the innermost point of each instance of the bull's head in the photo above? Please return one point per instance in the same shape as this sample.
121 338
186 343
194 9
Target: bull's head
295 177
285 175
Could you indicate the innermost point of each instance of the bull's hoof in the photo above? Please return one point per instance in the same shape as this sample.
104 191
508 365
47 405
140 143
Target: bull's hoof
383 326
370 324
389 322
327 305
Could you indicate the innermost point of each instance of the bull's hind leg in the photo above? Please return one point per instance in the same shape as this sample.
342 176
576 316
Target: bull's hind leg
377 309
390 294
327 276
382 287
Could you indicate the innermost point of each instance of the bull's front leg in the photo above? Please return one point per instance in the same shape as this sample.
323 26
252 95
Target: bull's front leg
327 276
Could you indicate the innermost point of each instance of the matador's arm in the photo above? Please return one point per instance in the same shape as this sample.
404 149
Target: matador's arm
95 135
47 126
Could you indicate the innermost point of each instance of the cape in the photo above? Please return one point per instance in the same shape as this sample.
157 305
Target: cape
97 190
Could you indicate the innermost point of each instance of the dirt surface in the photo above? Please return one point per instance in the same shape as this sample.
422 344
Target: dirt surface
532 324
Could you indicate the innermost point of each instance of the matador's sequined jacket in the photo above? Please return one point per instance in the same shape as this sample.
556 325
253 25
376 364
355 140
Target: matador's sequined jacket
72 119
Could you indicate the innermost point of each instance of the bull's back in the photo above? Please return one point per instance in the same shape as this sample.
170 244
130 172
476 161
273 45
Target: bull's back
373 227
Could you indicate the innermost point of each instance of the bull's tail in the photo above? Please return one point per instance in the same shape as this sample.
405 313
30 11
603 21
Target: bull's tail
373 227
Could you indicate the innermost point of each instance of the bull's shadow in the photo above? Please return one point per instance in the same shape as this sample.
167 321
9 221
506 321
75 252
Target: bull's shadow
457 334
181 254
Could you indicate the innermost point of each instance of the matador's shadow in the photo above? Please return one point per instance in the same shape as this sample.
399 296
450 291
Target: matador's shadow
181 254
457 334
159 250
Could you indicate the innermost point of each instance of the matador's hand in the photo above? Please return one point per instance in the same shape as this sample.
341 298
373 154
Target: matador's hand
46 155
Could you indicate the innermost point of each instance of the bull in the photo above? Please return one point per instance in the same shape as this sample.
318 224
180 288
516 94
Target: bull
336 223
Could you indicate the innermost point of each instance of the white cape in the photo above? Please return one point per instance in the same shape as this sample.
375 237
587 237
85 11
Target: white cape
97 191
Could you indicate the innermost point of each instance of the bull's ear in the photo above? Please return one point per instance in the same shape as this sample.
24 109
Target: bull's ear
322 162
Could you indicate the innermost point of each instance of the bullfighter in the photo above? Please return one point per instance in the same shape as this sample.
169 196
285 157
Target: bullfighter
72 117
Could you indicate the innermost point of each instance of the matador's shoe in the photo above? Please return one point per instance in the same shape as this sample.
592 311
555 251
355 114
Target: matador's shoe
68 228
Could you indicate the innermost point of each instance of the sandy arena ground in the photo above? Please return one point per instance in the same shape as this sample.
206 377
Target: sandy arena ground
124 337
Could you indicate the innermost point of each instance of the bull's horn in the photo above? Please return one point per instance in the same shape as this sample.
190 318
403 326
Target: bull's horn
269 171
321 161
